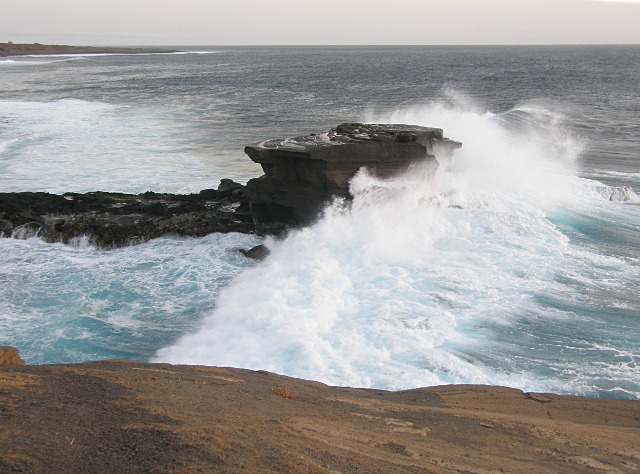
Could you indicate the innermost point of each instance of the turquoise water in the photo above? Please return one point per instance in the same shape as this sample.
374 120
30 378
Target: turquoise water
516 264
69 304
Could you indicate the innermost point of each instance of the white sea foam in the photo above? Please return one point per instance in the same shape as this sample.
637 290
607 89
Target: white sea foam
90 145
619 174
12 62
195 52
616 193
397 289
30 60
73 303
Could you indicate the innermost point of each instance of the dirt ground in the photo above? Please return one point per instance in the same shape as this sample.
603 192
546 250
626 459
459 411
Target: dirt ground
120 417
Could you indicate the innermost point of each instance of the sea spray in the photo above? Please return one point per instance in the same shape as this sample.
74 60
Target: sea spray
417 280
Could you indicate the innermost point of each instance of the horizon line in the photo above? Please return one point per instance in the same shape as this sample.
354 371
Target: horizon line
159 45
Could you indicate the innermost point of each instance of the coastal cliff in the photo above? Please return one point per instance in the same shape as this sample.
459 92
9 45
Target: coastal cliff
117 416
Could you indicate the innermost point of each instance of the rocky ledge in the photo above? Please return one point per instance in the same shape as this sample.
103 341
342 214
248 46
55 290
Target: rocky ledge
15 49
302 174
117 416
113 220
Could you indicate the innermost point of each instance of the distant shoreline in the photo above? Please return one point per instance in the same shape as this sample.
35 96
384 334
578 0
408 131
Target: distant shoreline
13 49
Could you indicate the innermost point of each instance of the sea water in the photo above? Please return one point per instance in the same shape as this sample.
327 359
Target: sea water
517 263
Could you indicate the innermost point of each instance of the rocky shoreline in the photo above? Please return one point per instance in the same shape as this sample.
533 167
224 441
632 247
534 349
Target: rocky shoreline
111 220
15 49
120 416
301 175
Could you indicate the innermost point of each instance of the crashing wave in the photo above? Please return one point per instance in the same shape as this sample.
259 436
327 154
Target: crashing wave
26 231
617 193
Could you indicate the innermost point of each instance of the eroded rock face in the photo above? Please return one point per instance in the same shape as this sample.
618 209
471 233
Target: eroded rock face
303 173
113 220
9 355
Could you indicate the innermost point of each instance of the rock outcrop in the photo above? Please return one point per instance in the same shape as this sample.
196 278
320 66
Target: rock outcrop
114 220
9 355
303 173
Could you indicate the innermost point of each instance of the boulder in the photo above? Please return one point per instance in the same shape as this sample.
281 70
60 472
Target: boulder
302 174
227 187
259 252
9 355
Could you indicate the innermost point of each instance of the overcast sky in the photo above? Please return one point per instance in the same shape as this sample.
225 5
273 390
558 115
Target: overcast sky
297 22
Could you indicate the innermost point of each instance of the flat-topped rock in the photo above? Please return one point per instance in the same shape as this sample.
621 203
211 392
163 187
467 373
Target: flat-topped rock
303 173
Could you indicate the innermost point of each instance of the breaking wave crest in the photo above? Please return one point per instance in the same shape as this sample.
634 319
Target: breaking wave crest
417 281
94 145
616 193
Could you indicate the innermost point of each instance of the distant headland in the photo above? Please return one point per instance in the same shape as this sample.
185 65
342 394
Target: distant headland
14 49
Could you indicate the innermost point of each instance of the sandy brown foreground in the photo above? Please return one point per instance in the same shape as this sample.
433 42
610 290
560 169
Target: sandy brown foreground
117 416
13 49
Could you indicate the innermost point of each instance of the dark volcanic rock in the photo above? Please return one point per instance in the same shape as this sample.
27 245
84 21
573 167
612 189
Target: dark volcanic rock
259 252
113 219
227 187
303 173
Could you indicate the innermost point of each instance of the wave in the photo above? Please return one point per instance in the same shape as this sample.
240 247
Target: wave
196 52
29 58
94 145
619 174
29 61
51 112
614 193
5 144
417 281
75 303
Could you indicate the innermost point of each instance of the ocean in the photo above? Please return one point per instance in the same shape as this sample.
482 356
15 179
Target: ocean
516 264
